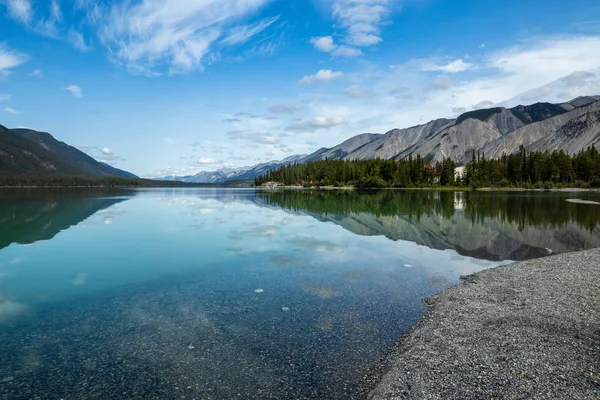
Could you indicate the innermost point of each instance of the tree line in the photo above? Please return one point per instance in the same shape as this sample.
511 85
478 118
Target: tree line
539 169
522 169
374 173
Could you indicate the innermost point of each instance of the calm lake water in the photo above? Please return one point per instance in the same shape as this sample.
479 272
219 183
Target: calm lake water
220 294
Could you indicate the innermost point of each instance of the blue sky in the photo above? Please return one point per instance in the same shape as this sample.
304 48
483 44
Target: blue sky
162 87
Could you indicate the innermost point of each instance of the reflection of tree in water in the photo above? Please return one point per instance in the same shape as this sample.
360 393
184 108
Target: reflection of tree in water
531 209
540 210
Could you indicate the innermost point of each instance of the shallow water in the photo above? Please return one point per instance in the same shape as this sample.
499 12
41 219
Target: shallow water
216 293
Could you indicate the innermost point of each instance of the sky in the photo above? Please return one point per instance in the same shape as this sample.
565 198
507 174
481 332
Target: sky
175 87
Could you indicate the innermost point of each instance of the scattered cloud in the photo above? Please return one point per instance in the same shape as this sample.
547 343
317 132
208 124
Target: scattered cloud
324 75
75 91
361 19
102 154
19 10
358 92
359 23
4 96
316 123
11 110
55 11
452 67
285 108
459 110
205 161
327 44
241 34
441 83
37 73
78 41
175 36
482 104
10 59
254 137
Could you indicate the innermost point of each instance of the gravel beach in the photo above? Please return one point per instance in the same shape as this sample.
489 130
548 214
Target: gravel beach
530 330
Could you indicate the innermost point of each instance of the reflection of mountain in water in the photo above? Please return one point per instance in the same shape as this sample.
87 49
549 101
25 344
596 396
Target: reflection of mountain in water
493 226
27 216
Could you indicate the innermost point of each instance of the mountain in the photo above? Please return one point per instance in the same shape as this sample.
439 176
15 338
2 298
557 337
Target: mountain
228 174
570 126
25 151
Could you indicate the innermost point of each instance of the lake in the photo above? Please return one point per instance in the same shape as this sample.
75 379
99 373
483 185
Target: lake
237 293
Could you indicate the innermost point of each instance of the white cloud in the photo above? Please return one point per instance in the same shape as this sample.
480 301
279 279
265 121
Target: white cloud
541 69
178 36
75 91
452 67
11 110
4 96
358 92
328 45
324 43
324 75
361 19
482 104
285 108
107 152
253 137
77 40
241 34
55 11
20 10
206 161
37 73
441 83
316 123
10 59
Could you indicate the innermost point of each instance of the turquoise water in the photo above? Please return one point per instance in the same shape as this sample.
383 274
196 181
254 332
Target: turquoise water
231 293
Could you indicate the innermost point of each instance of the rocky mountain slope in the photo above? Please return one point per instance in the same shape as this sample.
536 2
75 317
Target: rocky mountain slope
569 126
25 151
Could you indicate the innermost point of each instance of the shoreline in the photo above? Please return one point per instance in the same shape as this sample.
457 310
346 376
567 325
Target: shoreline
527 330
436 189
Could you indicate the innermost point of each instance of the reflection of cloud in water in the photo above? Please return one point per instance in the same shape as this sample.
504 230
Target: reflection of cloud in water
10 309
357 276
80 279
15 261
6 274
206 210
285 261
316 245
324 292
108 220
268 230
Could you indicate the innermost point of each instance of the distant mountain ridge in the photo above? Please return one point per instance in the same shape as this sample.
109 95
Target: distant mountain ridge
26 151
570 126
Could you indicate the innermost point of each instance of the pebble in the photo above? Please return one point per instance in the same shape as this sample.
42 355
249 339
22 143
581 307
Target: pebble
407 266
6 380
258 291
285 309
191 347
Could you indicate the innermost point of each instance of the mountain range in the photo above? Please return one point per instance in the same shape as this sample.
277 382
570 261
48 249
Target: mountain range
569 126
26 151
